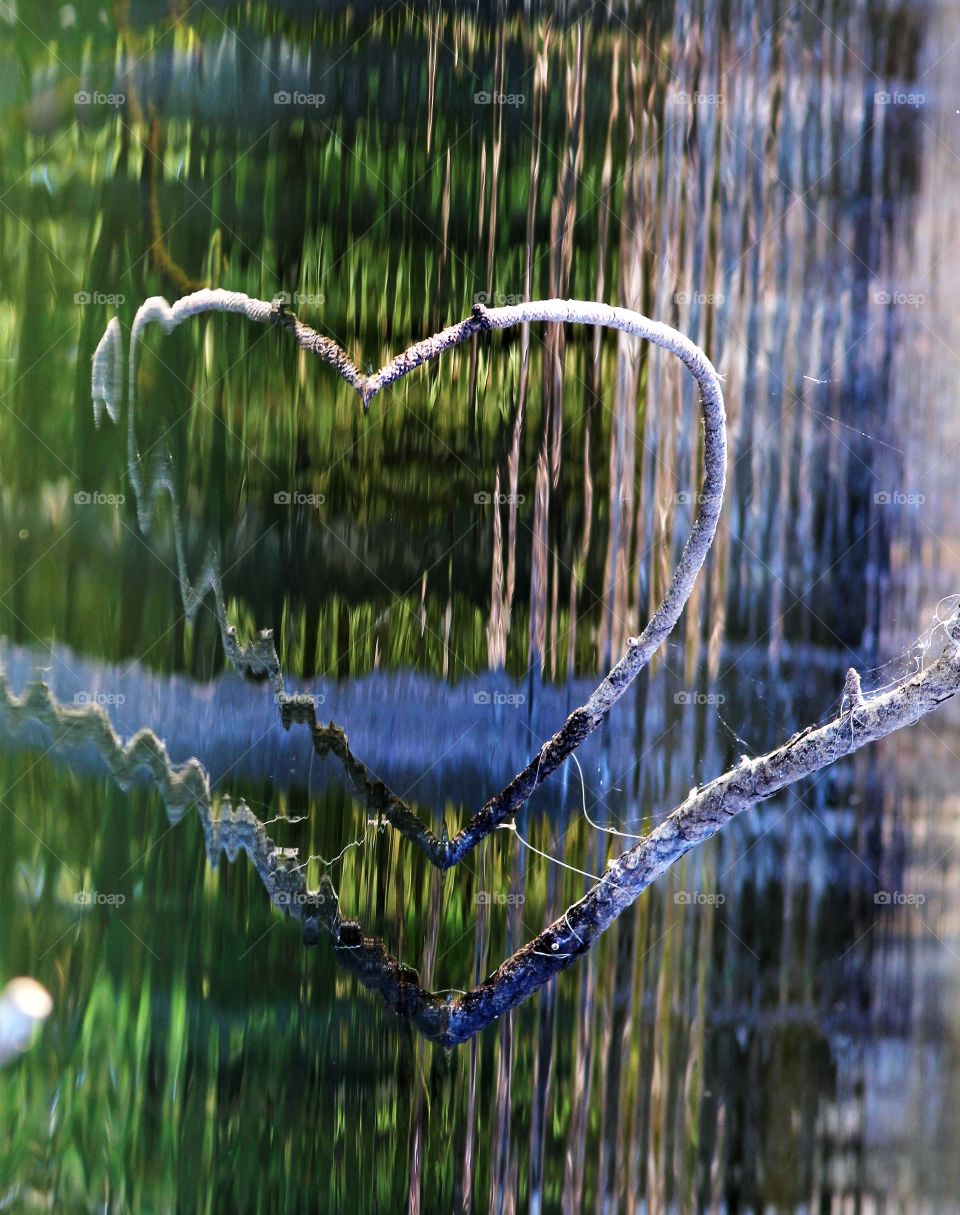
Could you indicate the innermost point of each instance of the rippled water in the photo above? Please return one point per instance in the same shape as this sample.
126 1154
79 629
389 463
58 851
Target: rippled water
773 1026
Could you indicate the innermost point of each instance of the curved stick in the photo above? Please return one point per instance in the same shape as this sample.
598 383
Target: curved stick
585 719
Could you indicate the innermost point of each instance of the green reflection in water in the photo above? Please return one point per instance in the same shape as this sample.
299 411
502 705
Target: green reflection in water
197 1058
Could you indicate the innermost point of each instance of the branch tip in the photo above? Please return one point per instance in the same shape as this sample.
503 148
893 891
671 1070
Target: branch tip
852 690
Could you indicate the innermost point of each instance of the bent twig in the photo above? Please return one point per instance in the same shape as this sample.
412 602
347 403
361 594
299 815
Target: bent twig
582 721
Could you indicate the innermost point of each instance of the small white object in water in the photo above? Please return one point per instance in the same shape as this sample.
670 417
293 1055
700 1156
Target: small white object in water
24 1004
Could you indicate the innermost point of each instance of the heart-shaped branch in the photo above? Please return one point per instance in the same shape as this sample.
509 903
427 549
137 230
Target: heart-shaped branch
107 378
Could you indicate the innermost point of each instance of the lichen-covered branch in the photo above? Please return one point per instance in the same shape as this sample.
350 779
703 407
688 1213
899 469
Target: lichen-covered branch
699 817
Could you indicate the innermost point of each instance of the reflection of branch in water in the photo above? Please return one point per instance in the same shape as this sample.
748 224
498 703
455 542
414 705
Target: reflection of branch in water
232 830
236 830
261 658
180 786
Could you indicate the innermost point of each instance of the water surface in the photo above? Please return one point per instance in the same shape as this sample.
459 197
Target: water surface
450 574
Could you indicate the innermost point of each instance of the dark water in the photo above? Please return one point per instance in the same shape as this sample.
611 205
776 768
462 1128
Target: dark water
773 1027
